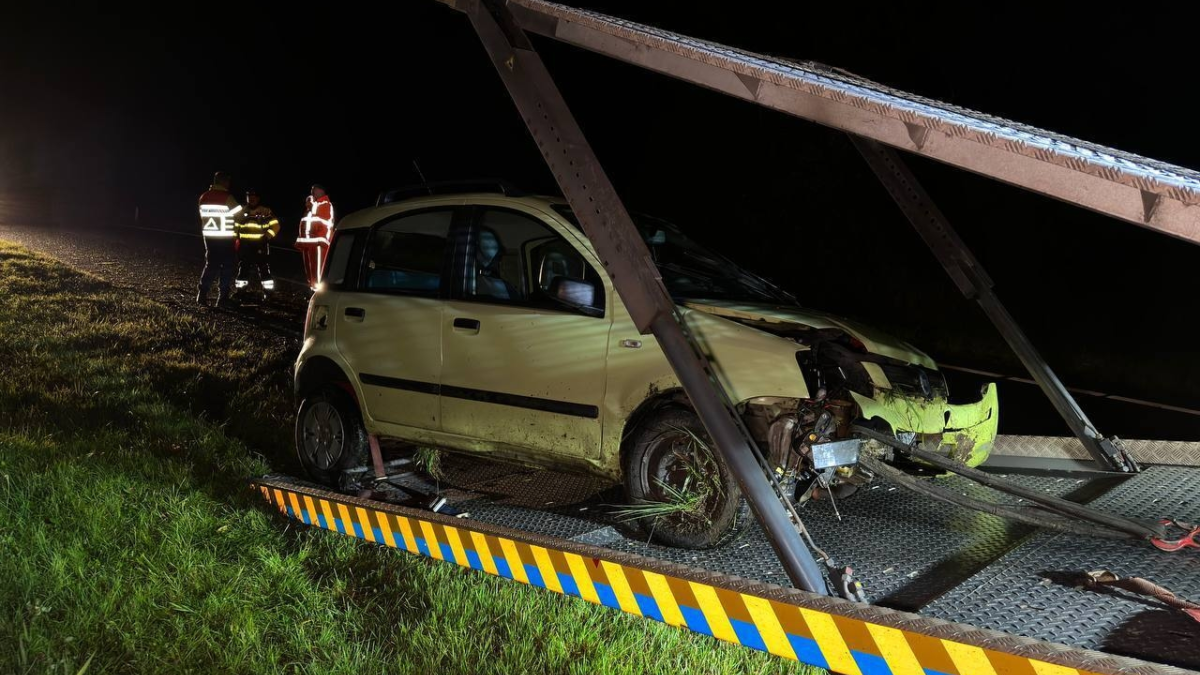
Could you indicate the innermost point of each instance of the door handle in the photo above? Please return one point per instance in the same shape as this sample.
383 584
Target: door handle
356 313
464 325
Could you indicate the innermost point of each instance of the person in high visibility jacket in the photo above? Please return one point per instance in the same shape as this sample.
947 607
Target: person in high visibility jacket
220 214
316 231
254 244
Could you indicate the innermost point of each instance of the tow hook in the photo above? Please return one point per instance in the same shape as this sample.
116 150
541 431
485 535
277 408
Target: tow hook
1188 540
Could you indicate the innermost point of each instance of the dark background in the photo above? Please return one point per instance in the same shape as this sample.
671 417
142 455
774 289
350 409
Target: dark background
105 110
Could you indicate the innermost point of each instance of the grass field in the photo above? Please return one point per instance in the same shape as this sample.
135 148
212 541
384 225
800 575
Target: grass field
130 543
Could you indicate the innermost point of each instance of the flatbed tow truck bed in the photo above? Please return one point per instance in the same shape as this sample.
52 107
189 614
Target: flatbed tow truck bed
963 584
950 590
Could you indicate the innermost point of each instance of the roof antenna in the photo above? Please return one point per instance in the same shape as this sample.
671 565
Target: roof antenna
420 173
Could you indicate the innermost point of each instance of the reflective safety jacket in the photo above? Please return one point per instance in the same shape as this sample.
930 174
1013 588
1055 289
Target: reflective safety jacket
316 228
219 214
259 224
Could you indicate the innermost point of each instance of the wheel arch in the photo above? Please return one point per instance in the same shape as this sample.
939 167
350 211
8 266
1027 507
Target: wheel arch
653 403
318 372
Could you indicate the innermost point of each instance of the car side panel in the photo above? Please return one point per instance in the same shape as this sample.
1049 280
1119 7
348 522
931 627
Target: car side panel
749 363
395 355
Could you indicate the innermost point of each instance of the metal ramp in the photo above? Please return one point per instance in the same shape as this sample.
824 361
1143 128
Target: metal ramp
923 564
1030 591
904 547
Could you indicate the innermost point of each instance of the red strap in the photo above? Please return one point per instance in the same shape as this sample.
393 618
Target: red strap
1145 588
1188 540
376 456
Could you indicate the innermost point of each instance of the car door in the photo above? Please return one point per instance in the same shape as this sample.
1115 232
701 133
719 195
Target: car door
522 370
389 325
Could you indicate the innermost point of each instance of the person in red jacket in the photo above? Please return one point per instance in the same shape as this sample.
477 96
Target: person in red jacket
316 231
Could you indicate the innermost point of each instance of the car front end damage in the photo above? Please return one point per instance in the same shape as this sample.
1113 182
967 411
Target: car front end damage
856 376
812 442
964 432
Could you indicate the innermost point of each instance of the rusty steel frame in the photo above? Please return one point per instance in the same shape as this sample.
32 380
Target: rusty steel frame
1152 194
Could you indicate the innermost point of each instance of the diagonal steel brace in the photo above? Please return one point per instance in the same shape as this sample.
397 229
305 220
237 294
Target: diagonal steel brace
975 284
625 256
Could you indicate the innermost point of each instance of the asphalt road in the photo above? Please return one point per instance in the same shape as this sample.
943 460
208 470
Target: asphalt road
165 265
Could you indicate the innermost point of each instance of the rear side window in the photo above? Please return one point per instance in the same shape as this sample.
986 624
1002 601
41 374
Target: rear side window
340 256
407 254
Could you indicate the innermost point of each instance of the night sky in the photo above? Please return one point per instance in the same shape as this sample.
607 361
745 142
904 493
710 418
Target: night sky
106 110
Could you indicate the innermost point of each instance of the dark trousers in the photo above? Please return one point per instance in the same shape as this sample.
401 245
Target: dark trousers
220 257
255 256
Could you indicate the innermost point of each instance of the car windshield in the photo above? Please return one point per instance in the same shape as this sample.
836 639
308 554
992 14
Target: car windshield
692 272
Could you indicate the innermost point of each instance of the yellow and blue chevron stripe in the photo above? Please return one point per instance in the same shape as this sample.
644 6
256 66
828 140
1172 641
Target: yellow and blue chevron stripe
813 636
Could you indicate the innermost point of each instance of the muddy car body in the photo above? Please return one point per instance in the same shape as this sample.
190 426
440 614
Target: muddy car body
484 323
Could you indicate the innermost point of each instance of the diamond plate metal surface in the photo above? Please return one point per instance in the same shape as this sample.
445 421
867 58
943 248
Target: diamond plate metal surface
555 504
912 553
905 548
1181 453
1031 591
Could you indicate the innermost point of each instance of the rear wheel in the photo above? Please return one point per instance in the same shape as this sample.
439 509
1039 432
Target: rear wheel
330 436
679 491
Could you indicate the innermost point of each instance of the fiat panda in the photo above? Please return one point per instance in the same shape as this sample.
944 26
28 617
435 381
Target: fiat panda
483 323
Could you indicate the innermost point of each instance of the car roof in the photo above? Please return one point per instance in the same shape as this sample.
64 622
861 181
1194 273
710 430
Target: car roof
369 216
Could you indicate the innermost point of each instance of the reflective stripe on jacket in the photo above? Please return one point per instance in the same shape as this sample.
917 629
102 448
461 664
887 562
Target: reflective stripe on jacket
219 213
316 227
260 224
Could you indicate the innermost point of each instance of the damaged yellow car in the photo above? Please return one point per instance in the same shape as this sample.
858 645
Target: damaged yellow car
482 322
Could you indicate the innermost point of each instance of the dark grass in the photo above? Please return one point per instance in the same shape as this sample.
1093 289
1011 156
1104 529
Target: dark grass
130 543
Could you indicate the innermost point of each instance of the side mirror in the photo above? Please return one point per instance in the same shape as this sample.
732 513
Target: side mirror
577 294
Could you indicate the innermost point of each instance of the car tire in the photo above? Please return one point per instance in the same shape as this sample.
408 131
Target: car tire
330 436
671 448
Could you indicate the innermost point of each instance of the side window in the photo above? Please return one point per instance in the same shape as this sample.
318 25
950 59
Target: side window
406 254
519 260
339 257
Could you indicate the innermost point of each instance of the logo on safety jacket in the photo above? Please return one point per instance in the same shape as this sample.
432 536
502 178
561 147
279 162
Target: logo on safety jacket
217 221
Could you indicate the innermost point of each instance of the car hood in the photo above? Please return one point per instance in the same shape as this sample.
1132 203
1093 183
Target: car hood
876 341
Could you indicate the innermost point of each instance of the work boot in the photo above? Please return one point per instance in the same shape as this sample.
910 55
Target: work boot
202 298
226 302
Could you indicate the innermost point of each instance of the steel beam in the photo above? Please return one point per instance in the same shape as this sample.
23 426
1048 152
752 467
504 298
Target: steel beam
631 268
1152 194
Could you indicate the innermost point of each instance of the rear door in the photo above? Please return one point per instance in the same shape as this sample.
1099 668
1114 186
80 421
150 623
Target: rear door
521 369
389 325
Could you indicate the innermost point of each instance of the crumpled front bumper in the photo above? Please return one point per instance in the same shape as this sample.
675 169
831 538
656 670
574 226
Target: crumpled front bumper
964 432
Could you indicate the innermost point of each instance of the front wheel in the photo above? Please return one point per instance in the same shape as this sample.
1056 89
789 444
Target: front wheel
330 436
679 491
